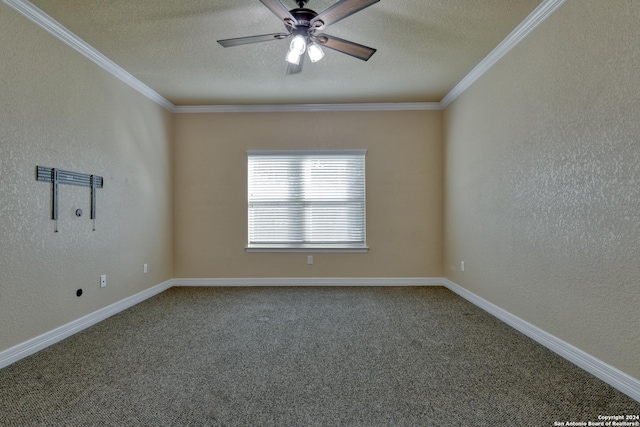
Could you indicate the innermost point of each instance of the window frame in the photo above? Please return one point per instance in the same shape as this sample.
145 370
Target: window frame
308 247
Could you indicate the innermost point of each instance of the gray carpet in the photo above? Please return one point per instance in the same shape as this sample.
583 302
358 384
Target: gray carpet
302 357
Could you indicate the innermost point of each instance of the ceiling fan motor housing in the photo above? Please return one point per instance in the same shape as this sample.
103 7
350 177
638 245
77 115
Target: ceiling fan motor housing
303 16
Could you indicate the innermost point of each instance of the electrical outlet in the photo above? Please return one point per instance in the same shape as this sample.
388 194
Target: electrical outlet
461 265
145 269
103 280
310 259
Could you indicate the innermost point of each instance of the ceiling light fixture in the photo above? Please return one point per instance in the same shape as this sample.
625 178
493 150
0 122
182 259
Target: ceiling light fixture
315 52
303 26
296 49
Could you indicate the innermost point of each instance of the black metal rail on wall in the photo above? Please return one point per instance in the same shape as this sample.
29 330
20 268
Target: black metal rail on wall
59 176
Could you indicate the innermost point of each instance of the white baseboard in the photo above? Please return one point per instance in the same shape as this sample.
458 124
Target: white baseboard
612 376
38 343
15 353
312 281
607 373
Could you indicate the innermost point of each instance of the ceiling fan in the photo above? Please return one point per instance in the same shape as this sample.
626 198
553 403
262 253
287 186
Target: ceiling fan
302 24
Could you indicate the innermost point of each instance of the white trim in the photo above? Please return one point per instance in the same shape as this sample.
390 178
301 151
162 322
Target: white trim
310 250
302 108
607 373
38 343
337 152
56 29
542 12
311 281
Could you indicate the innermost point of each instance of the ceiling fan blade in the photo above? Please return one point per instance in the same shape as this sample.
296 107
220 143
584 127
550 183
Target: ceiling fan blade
350 48
279 10
341 10
293 68
253 39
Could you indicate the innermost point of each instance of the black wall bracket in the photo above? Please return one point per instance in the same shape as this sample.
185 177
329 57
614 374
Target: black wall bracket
59 176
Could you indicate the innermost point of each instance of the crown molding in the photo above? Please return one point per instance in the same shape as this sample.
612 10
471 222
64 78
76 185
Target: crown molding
56 29
289 108
542 12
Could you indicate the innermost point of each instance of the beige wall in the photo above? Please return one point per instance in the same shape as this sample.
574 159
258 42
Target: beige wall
60 110
404 192
543 181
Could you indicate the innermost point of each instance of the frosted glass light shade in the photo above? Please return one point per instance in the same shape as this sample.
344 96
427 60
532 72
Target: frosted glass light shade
315 52
296 49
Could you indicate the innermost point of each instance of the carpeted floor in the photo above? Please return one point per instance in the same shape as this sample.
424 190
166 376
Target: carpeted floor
302 357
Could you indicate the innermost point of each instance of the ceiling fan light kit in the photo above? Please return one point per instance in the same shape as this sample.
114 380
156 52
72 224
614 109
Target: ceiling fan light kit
302 23
315 52
296 49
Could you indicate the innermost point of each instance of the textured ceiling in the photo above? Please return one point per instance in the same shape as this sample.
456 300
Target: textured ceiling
425 47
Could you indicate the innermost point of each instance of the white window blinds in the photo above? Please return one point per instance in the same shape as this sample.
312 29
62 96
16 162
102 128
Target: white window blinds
306 199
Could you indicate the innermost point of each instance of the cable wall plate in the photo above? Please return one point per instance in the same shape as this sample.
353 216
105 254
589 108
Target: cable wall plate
59 176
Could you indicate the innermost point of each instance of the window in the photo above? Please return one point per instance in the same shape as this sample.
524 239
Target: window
306 200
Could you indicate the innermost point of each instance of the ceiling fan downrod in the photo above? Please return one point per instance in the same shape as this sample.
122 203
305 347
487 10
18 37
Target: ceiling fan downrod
301 3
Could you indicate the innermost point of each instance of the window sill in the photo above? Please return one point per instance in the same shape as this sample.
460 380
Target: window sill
307 249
